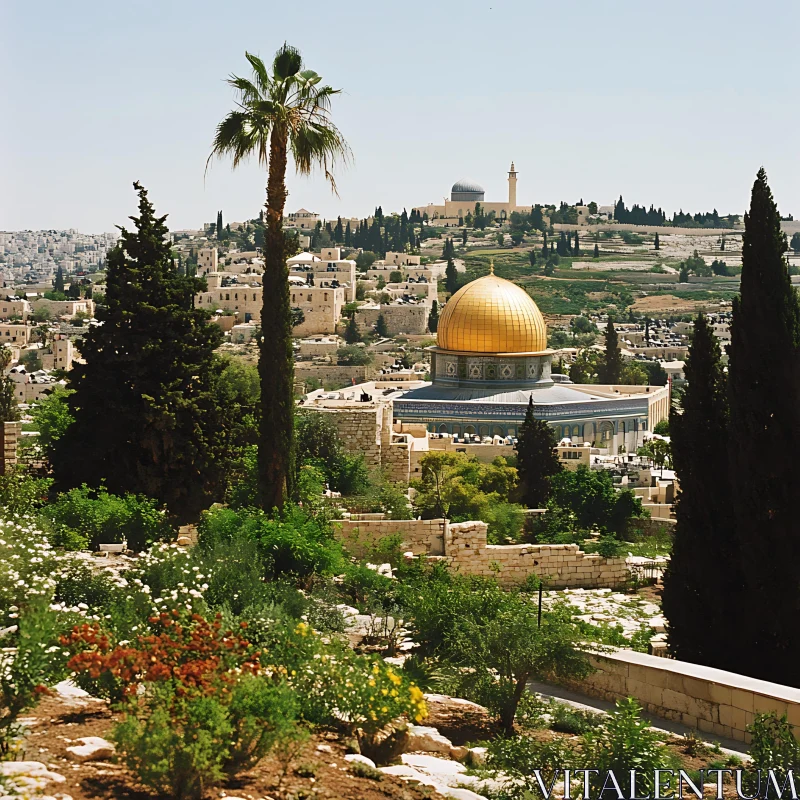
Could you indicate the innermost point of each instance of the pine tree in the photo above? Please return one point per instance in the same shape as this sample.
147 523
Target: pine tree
451 277
351 332
433 317
704 570
611 369
537 459
147 420
764 392
657 242
380 326
596 251
58 283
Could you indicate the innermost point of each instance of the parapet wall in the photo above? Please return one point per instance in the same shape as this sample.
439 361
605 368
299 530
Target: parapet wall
711 700
463 545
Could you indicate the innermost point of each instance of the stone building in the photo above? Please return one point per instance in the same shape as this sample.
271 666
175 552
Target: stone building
465 194
491 359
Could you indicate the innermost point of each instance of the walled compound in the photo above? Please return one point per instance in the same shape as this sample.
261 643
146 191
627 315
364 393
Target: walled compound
463 546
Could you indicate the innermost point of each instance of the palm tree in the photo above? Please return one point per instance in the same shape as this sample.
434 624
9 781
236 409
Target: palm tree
285 110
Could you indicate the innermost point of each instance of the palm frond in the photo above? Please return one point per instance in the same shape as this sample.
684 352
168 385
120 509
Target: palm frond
287 63
262 76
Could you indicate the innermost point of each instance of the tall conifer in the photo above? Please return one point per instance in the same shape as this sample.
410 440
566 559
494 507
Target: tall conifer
764 392
611 368
537 459
58 283
704 570
147 420
451 277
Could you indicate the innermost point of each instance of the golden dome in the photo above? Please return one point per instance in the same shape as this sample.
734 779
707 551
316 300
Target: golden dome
492 315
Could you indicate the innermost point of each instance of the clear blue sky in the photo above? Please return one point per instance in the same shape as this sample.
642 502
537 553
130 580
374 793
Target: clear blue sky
674 103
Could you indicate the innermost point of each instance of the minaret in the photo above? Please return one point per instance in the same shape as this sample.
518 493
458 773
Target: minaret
512 189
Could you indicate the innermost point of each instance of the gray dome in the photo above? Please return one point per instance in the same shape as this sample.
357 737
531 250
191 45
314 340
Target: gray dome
466 190
467 186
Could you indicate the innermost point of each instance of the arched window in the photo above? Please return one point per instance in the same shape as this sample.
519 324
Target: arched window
576 432
484 430
443 428
497 431
470 430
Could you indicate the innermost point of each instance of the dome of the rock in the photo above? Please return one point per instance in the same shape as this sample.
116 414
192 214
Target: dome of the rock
492 315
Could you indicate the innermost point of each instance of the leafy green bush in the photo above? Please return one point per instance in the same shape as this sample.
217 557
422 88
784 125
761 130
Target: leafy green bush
505 522
30 661
519 756
623 743
21 493
295 544
103 518
567 719
773 744
78 583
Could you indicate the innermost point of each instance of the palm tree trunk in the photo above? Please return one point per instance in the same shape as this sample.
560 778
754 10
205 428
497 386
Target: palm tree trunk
275 364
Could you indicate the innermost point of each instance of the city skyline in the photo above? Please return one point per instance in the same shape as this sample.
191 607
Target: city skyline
678 109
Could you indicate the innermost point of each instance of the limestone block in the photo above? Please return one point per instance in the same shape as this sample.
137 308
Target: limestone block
695 687
94 748
763 704
689 720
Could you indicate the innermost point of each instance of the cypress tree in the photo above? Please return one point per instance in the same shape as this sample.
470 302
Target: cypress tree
451 277
348 236
611 369
380 326
58 283
596 251
537 459
433 317
577 248
704 570
544 246
219 224
351 332
146 416
338 232
764 392
657 242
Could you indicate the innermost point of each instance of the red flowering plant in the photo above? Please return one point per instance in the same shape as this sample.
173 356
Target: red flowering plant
197 703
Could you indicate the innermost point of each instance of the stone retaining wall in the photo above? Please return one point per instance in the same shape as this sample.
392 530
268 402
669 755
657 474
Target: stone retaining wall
12 433
708 699
560 565
463 545
420 536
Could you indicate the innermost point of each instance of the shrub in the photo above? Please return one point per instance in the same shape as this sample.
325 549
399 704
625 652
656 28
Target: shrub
207 706
103 518
567 719
78 583
21 493
29 663
294 544
519 756
623 743
773 745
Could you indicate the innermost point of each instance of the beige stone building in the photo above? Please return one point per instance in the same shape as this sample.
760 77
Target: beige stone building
59 354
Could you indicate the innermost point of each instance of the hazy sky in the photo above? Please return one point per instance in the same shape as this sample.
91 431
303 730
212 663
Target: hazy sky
674 103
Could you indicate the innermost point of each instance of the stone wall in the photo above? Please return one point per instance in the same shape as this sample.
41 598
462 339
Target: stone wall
411 319
331 374
420 536
360 430
463 545
711 700
560 565
12 433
